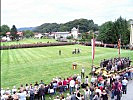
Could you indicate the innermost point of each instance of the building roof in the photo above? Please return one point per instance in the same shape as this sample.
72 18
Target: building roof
8 33
20 33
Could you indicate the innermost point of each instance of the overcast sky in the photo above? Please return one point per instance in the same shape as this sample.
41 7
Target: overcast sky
31 13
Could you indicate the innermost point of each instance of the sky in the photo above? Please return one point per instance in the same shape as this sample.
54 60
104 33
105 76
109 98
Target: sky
32 13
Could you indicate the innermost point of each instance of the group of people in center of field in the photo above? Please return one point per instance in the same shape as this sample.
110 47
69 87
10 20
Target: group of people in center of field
76 51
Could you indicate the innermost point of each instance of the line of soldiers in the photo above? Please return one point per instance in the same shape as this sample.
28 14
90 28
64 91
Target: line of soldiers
116 64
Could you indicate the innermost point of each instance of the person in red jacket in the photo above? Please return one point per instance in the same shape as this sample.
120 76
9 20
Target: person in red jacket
64 84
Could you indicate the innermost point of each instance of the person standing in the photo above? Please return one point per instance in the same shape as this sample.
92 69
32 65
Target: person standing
82 72
59 52
124 85
42 92
72 85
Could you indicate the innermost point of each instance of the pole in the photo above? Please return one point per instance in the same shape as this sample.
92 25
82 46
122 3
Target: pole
119 41
93 55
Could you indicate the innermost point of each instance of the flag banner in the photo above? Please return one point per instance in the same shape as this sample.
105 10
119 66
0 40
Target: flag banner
93 48
119 46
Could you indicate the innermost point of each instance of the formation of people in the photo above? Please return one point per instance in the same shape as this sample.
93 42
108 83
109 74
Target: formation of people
77 87
75 51
115 64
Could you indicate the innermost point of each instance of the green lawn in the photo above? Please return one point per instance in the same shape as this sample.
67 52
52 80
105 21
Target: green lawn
28 41
21 66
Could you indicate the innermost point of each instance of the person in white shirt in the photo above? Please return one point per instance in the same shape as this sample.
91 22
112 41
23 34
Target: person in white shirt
8 91
124 85
22 95
86 80
79 78
98 90
72 85
2 91
14 89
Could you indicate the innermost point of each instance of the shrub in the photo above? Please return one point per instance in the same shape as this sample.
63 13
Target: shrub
36 45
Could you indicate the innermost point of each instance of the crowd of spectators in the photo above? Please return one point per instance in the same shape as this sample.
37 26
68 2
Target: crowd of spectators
76 87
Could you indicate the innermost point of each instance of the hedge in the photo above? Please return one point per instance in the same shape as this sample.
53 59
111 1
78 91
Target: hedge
36 45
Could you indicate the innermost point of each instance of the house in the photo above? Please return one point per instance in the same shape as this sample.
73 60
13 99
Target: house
75 32
8 36
20 34
38 35
61 36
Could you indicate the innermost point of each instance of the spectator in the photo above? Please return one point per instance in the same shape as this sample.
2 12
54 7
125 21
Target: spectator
124 85
64 84
21 95
72 85
36 84
87 94
86 80
104 95
96 96
15 96
41 82
32 91
42 92
73 96
82 72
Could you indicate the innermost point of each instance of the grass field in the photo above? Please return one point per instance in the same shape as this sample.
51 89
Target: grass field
21 66
27 41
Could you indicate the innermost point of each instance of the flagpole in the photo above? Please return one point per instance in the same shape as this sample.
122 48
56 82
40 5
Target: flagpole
93 54
119 47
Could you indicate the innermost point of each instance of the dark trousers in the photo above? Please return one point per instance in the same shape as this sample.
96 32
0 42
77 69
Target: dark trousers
82 75
124 89
32 97
42 97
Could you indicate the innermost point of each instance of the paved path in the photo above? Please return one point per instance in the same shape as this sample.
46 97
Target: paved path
129 95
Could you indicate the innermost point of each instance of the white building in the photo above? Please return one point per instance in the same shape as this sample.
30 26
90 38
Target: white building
38 35
75 33
61 35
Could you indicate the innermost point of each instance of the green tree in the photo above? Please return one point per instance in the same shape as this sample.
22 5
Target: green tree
106 34
86 37
28 33
121 30
84 26
110 32
14 33
4 29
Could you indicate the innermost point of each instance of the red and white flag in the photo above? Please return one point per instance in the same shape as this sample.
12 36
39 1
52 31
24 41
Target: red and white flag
119 46
93 48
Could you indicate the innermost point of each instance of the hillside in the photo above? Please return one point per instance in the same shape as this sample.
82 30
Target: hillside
26 28
84 25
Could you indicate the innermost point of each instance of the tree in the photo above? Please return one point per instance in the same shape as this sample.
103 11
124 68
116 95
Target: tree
28 33
106 34
110 32
86 37
121 30
14 33
84 26
4 29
